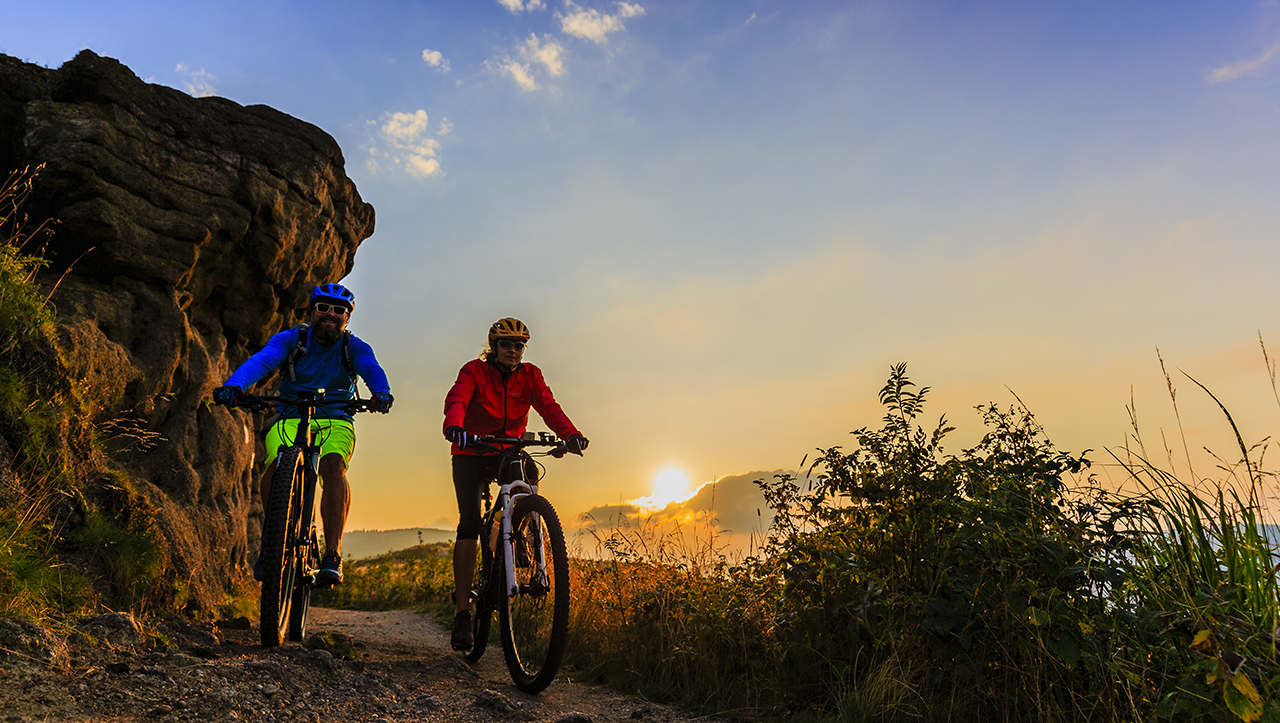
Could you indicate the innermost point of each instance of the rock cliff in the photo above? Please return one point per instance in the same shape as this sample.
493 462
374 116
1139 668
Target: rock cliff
191 229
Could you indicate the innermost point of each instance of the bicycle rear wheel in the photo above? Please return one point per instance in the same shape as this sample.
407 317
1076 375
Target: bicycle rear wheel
482 599
278 557
535 622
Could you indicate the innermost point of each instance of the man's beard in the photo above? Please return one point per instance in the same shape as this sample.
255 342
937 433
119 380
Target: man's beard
328 334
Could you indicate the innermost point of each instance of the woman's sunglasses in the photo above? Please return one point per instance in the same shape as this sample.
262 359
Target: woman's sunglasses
509 345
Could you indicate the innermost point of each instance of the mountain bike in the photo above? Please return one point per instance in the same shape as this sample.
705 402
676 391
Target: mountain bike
524 568
290 537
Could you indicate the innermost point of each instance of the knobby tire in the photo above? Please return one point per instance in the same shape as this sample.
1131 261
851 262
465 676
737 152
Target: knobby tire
279 560
535 622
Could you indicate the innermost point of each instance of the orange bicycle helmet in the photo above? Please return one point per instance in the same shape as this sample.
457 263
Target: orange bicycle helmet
508 328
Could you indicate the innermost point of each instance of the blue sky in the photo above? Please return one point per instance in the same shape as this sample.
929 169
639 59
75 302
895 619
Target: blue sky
723 221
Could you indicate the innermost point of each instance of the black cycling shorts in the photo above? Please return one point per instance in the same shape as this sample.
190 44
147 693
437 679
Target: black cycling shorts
471 475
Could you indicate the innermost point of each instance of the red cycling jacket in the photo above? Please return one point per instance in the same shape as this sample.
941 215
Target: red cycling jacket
481 402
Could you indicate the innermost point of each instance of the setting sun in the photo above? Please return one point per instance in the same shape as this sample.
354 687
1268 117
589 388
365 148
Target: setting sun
670 484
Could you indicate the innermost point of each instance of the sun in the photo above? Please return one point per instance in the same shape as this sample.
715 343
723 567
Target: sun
670 484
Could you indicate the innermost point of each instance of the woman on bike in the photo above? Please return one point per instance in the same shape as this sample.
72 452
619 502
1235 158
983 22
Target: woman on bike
492 396
319 355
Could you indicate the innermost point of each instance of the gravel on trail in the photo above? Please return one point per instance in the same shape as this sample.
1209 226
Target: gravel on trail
355 667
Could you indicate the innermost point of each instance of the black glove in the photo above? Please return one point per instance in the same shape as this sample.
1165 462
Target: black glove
458 436
382 402
229 396
576 444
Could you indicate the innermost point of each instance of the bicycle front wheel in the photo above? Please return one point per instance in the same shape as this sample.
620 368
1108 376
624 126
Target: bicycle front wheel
278 557
308 562
535 621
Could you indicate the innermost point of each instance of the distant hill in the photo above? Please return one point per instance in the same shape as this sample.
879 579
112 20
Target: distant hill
359 544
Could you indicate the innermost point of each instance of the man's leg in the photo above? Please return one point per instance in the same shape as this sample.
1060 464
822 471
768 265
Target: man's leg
264 486
335 501
264 494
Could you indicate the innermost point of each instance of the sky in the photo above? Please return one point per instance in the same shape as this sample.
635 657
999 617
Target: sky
723 222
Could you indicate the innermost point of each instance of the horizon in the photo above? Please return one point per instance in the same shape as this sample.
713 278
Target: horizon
723 224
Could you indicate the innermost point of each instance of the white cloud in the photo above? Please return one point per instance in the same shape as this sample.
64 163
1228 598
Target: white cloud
515 6
534 53
436 59
199 83
445 128
403 127
403 141
519 72
591 24
1239 69
546 53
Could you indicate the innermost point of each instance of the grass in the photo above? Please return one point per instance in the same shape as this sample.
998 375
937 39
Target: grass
419 578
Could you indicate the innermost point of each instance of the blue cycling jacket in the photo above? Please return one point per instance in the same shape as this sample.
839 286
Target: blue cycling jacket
320 368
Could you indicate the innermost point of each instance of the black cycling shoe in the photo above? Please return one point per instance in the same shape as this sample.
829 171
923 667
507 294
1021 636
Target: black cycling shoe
460 639
330 572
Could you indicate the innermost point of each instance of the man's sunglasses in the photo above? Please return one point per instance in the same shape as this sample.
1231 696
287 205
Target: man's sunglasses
324 308
509 345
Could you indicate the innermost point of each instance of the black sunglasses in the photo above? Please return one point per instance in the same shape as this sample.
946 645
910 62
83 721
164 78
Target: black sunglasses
508 344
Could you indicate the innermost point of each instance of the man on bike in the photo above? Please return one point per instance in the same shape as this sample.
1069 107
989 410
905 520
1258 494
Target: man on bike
319 355
491 396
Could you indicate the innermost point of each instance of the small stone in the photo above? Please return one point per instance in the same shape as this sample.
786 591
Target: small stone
429 702
161 710
496 701
270 690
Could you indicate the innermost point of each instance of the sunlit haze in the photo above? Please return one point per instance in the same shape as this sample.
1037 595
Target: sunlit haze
724 222
670 484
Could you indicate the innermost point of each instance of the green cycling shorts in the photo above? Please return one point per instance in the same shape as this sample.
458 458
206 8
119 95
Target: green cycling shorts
335 436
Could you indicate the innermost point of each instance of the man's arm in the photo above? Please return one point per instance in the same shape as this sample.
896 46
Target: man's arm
268 359
368 368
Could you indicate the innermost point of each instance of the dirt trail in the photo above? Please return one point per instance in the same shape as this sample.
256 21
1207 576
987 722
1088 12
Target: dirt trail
400 668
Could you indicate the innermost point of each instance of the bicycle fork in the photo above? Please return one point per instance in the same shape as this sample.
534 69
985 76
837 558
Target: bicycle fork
305 539
511 493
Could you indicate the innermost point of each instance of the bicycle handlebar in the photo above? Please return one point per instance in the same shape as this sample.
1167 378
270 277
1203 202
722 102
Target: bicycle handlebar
559 447
256 403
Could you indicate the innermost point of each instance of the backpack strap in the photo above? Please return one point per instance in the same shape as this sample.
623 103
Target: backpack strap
300 349
349 362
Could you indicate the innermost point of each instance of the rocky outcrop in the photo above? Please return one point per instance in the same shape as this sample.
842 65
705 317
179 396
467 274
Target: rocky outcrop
191 229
